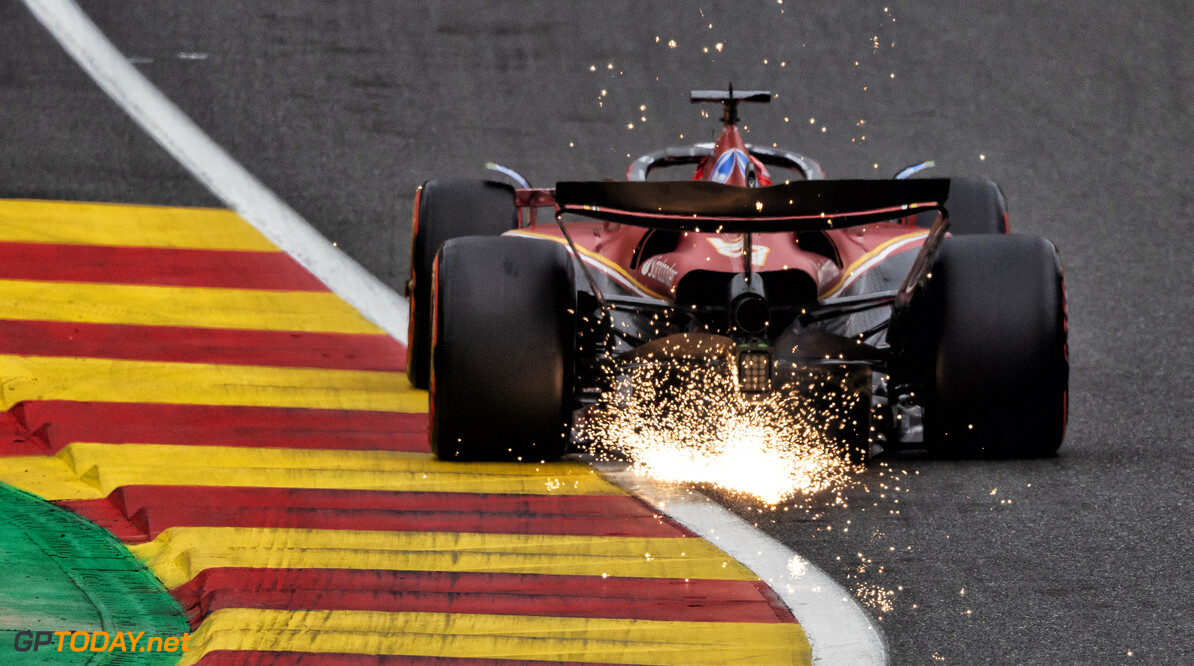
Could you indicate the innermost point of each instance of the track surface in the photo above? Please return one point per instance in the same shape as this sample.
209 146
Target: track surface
1081 113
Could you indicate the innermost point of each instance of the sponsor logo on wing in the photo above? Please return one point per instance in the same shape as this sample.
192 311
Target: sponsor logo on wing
659 270
731 246
726 163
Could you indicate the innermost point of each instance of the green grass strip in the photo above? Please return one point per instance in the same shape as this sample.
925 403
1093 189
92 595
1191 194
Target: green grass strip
60 572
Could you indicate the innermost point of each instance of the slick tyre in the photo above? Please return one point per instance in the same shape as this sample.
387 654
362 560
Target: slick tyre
999 372
503 349
446 209
975 205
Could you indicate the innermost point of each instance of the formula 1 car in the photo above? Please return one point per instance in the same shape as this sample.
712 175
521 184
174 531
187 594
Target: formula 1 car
938 328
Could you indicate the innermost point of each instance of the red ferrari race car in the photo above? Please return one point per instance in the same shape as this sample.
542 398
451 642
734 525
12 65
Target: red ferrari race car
903 304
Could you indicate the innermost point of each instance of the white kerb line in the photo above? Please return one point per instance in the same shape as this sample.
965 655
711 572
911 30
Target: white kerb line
215 168
838 629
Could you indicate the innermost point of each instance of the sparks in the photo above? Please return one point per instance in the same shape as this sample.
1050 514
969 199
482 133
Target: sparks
694 426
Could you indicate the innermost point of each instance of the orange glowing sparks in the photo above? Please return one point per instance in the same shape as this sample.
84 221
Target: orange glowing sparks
687 422
876 597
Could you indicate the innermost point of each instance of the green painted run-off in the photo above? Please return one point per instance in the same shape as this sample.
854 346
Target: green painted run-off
60 572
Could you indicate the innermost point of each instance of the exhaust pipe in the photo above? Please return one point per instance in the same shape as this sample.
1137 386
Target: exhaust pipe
749 309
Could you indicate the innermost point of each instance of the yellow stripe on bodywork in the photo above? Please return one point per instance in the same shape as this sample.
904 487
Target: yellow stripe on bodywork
24 221
848 272
244 309
463 635
115 380
91 471
596 257
179 554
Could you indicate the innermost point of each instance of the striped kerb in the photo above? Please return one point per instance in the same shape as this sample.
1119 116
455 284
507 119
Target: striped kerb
174 378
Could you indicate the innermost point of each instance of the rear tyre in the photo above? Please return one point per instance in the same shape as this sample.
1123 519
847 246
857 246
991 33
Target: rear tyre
975 205
502 356
447 209
995 320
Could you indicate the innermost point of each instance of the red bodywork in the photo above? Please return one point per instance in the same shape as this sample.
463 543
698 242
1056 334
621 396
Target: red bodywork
625 254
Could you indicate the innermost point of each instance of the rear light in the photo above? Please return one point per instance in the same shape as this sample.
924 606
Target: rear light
754 370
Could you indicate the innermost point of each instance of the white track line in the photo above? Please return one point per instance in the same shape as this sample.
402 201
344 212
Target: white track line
838 629
224 176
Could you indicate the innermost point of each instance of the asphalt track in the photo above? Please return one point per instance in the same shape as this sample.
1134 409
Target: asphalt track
1080 112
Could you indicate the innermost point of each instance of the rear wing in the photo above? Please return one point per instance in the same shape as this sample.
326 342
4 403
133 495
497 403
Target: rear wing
814 205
